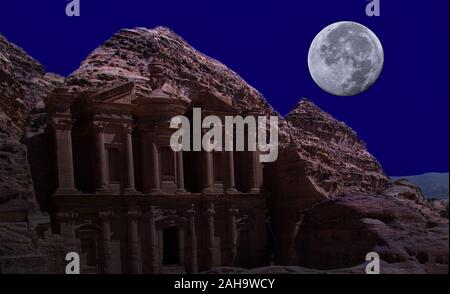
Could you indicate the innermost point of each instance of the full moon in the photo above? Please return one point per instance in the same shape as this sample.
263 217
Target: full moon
345 58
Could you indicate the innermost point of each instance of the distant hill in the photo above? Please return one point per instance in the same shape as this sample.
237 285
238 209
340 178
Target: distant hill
433 185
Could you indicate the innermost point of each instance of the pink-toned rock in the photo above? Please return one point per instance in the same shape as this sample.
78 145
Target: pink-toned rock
189 73
332 203
340 232
336 159
23 84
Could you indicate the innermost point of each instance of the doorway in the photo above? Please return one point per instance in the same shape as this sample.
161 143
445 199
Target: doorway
171 253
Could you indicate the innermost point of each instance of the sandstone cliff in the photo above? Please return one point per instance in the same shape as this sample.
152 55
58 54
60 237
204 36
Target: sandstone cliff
128 54
335 158
24 82
338 205
23 85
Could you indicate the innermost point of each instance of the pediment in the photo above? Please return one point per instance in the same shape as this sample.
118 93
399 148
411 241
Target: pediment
213 101
119 94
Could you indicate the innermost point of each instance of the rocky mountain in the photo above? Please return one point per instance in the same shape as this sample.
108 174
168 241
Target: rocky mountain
188 73
333 194
336 160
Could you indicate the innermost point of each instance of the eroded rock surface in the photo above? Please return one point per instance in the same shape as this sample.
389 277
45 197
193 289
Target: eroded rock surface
127 56
23 85
340 232
339 205
336 160
23 82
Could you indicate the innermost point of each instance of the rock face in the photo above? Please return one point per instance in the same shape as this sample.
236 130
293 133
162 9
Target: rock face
189 73
340 232
441 206
23 84
330 202
339 205
336 159
329 160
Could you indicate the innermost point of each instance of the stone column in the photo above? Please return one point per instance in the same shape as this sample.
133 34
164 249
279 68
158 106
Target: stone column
211 237
180 172
133 242
145 164
156 168
229 181
154 248
232 212
64 156
102 182
105 219
255 172
129 166
191 220
208 177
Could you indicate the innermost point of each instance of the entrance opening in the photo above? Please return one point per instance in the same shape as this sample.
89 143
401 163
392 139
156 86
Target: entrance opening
89 249
171 255
88 234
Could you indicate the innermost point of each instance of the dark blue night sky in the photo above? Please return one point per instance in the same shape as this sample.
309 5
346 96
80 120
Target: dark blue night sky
403 117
